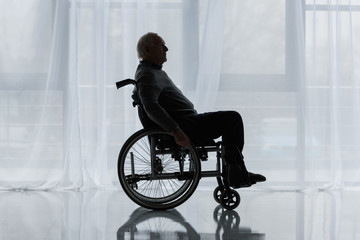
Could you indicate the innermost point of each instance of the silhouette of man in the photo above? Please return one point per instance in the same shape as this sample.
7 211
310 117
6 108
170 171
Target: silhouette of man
168 108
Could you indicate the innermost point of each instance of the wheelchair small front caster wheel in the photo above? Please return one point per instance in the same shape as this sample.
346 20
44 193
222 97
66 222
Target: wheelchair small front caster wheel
217 194
230 199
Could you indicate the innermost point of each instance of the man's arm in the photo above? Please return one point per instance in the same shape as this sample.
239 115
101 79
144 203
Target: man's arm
149 92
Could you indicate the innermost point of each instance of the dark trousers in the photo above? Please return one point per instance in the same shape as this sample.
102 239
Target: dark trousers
211 125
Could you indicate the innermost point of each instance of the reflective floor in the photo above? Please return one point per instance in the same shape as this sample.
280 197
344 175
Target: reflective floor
105 214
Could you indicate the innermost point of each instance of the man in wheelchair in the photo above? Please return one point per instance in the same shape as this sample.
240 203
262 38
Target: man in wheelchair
168 108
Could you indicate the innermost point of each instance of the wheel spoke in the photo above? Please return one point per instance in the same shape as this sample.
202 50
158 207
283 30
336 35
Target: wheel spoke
157 184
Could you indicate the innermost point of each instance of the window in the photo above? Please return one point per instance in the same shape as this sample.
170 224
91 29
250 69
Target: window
259 79
25 103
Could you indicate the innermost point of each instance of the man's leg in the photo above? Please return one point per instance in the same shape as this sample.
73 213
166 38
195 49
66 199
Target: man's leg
229 125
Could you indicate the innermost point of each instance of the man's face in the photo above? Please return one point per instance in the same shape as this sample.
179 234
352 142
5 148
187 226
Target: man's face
157 53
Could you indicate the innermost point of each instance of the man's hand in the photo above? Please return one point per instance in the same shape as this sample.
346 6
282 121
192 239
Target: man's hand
181 138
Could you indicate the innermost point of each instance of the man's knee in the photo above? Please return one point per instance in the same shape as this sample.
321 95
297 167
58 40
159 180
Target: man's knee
235 116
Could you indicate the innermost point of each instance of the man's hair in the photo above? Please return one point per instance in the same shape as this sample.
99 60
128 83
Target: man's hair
148 40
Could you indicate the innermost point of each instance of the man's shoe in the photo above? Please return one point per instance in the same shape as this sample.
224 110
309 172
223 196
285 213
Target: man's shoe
255 177
244 180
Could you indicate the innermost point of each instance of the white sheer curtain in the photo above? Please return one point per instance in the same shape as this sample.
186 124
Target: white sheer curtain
40 144
332 93
289 67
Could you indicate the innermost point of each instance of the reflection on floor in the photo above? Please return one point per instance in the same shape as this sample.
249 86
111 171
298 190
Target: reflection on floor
99 214
145 224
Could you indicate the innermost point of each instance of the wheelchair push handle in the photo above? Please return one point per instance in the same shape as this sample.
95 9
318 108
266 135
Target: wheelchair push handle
125 82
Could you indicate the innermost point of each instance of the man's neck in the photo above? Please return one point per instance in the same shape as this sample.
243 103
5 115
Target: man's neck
150 64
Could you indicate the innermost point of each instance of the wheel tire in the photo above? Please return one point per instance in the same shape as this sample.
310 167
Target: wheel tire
230 199
135 172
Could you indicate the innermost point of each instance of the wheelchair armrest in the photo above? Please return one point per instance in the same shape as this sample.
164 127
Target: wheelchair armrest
125 82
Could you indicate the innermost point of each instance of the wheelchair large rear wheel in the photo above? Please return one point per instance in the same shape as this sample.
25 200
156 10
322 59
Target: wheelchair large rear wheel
155 172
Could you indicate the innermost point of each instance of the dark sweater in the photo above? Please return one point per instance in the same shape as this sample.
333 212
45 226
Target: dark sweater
163 102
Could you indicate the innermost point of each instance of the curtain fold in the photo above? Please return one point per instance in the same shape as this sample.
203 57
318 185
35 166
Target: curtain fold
210 55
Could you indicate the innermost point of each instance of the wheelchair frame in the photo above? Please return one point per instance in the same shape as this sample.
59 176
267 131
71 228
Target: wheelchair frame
156 173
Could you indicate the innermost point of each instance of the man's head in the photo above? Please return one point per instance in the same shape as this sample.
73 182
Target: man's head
151 47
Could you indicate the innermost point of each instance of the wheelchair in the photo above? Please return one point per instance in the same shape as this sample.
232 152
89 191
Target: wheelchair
158 174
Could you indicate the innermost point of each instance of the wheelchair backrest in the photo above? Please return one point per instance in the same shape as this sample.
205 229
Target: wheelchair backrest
144 118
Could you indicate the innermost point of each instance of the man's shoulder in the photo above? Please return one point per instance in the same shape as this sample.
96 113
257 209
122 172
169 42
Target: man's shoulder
145 77
151 76
144 72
